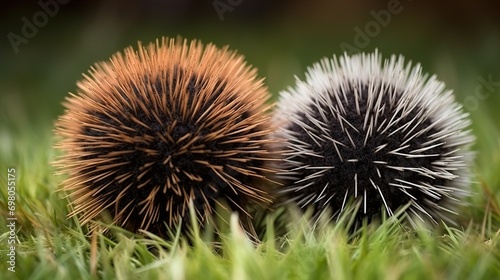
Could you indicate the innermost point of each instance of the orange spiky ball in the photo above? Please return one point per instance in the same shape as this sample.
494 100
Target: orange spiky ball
155 128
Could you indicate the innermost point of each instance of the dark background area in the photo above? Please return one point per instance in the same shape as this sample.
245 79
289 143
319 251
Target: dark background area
459 41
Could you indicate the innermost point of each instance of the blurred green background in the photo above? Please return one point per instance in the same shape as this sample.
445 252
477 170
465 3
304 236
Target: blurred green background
459 41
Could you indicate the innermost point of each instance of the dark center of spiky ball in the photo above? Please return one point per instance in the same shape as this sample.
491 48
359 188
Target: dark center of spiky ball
155 162
335 161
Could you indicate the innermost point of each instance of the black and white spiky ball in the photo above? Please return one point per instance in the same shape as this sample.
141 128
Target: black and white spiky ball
378 132
159 127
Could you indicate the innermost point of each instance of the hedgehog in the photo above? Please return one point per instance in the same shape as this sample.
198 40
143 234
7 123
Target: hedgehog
163 126
375 133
